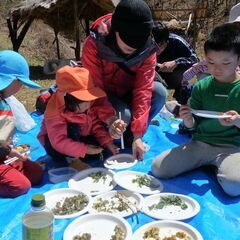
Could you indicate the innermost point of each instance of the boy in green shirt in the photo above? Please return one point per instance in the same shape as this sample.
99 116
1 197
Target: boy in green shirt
216 141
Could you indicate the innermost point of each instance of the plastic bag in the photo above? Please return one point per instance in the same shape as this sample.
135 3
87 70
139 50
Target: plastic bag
22 120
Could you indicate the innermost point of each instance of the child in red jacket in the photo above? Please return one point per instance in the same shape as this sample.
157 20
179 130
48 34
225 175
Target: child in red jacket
73 126
15 178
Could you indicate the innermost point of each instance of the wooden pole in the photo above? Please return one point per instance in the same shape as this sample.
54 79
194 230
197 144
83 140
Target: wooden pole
13 28
77 30
57 43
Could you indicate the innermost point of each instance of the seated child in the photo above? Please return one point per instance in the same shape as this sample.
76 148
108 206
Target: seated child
73 126
215 141
15 178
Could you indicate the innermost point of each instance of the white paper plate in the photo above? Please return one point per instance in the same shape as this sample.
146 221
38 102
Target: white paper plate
171 212
124 179
120 161
135 198
58 195
100 226
209 114
167 229
82 181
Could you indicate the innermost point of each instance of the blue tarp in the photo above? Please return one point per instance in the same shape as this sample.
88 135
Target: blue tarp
218 219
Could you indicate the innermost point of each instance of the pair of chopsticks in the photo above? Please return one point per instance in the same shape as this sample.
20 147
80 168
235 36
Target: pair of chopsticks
131 205
122 140
10 160
13 159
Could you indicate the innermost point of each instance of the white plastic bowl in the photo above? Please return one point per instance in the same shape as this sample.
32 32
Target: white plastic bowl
61 174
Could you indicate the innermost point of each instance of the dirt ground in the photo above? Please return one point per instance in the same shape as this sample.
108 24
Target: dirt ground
38 45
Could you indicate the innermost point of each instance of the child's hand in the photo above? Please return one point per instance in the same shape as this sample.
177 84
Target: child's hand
186 115
113 148
117 128
92 149
16 153
233 120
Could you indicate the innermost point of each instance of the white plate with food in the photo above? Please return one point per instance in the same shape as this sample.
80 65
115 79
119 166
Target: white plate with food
93 181
167 229
67 203
120 161
138 182
170 206
98 226
121 202
209 114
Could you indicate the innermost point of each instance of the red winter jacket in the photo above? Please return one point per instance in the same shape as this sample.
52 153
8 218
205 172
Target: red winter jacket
91 123
100 60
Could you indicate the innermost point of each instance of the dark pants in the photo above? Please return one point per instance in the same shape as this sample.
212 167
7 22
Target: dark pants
73 130
174 81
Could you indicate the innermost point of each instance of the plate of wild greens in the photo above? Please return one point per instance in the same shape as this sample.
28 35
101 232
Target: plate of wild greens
170 206
138 182
93 181
121 202
98 226
67 203
167 229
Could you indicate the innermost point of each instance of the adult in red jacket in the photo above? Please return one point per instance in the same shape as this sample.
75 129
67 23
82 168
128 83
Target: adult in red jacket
123 63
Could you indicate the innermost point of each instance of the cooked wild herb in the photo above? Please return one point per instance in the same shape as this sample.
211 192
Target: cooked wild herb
119 233
101 156
167 201
84 236
97 176
144 181
153 233
71 205
115 204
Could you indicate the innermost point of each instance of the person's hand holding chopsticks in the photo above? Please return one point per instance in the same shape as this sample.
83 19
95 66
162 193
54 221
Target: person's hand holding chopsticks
117 128
15 155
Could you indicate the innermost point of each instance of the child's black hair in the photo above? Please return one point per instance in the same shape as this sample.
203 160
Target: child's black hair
225 37
71 103
160 32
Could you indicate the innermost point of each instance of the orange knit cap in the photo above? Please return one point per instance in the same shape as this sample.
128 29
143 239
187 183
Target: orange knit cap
77 82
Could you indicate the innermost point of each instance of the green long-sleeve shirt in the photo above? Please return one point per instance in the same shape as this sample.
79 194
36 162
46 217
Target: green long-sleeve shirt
208 94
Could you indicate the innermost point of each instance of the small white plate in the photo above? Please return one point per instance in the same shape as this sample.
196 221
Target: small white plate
120 161
59 195
125 180
135 200
82 181
167 229
209 114
171 212
99 225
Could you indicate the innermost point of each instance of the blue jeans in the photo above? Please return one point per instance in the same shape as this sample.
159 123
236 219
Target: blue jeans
123 105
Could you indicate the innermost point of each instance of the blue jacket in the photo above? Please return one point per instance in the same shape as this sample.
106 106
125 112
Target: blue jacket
178 49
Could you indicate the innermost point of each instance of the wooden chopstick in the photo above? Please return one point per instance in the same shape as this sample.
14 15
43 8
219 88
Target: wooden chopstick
122 140
11 160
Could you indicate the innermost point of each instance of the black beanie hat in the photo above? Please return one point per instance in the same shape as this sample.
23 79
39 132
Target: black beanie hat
133 20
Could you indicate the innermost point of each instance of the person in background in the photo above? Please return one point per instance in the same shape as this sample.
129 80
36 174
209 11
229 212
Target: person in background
122 61
15 178
73 125
174 57
215 141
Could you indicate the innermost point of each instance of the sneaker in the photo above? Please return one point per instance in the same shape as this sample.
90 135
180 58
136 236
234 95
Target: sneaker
173 107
